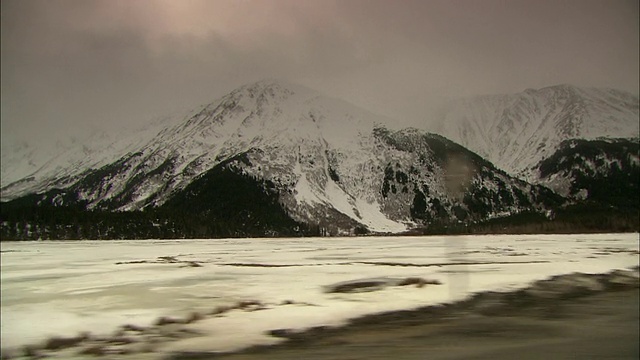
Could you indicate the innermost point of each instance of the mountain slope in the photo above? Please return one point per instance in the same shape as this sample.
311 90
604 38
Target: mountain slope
515 132
27 168
604 170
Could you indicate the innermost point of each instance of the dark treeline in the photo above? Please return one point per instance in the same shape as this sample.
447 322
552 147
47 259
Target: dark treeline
220 204
580 218
67 223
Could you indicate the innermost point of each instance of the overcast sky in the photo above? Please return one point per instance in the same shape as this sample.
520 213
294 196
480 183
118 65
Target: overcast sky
90 63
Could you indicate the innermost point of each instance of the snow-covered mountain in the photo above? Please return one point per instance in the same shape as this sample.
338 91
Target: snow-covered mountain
326 163
28 168
517 131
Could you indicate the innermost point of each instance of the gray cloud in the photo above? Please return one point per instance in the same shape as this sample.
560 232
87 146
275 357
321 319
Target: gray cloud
69 64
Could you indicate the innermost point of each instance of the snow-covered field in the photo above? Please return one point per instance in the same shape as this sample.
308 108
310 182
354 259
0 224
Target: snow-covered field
63 288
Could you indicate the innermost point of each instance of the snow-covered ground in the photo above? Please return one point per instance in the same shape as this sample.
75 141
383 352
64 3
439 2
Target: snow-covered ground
63 288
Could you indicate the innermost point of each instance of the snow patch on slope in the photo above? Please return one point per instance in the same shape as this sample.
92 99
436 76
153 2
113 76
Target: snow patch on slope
334 196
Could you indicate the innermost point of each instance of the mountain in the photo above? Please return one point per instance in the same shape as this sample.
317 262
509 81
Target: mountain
273 158
28 168
603 170
517 131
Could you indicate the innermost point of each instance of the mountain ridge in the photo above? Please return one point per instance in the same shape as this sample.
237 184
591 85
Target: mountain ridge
516 131
332 165
327 166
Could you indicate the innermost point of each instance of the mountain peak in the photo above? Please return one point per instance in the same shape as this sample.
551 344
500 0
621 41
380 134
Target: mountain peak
555 90
589 92
561 87
275 89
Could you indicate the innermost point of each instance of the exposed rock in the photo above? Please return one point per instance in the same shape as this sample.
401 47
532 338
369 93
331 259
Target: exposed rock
248 304
419 282
220 310
193 355
95 350
358 285
193 317
56 343
121 340
31 352
623 279
164 260
282 333
251 305
292 302
297 334
191 264
167 320
132 262
564 286
130 327
373 284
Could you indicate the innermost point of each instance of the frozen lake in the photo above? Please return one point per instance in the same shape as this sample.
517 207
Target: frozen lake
63 288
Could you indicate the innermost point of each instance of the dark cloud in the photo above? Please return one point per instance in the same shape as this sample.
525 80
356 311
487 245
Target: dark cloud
70 64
